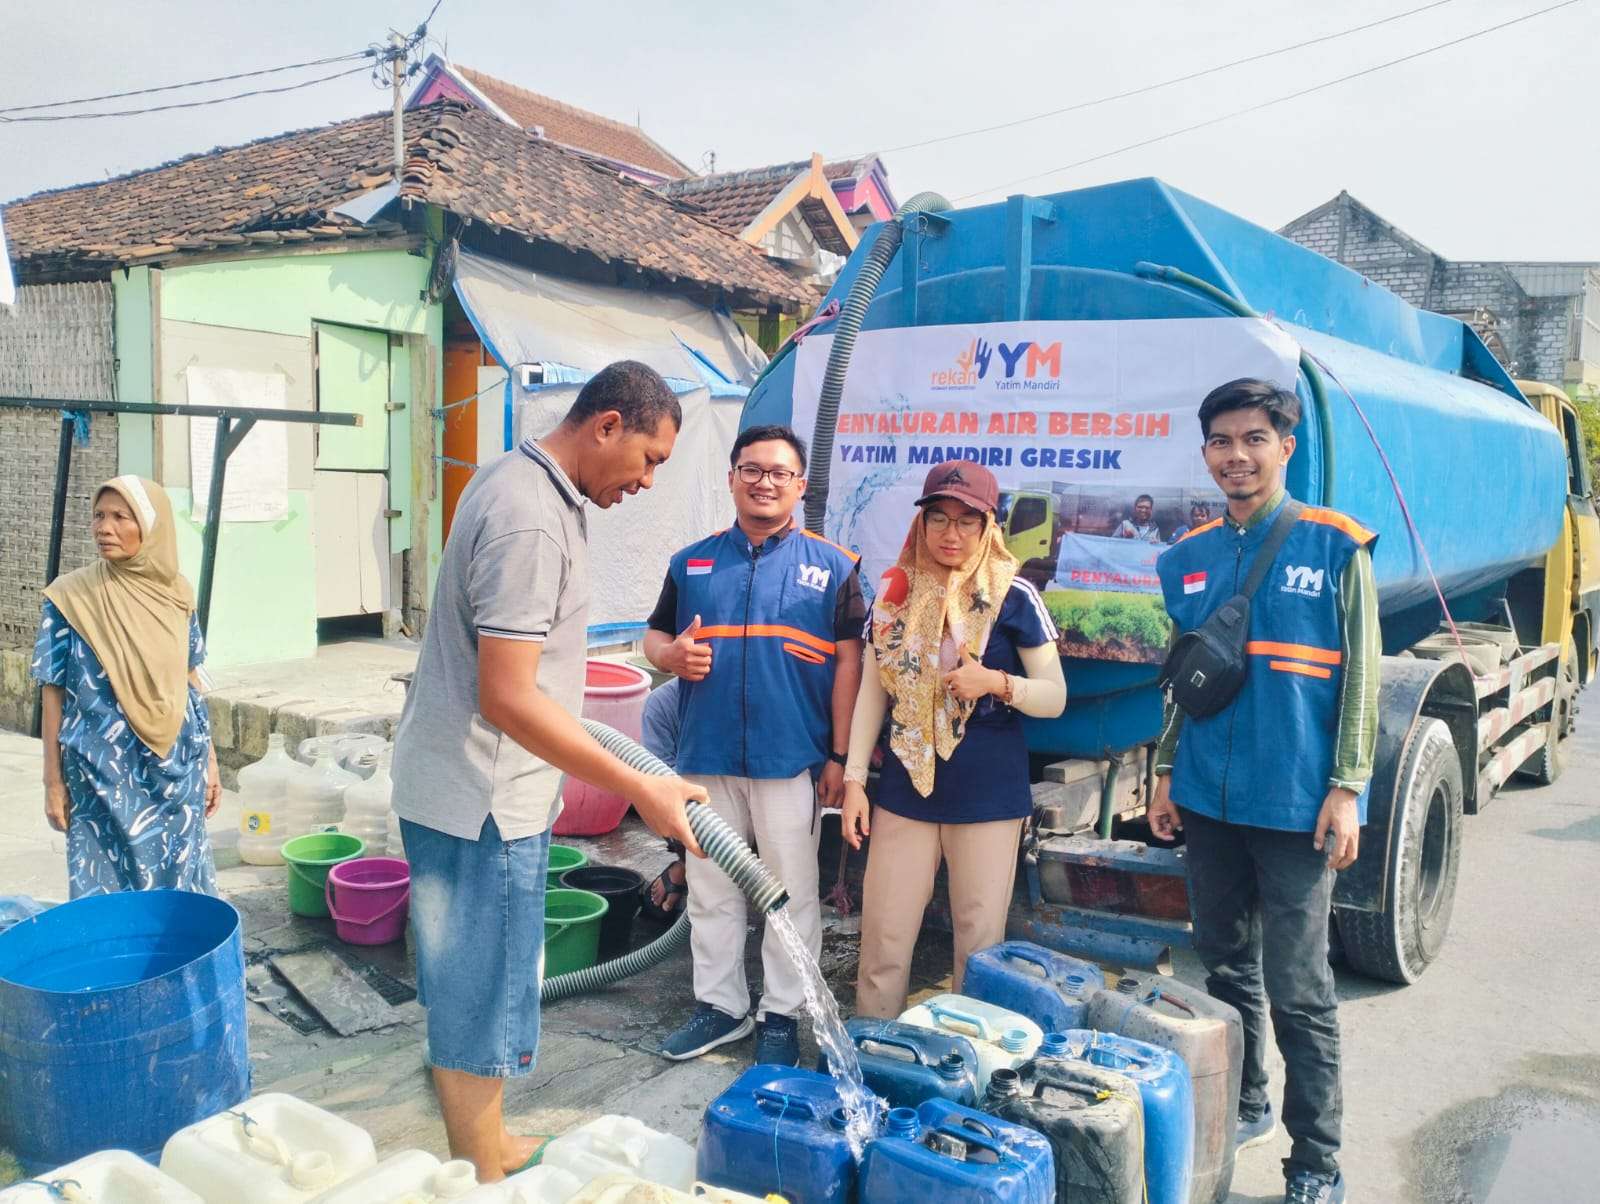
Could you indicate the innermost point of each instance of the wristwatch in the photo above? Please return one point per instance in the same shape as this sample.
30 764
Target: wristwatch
838 758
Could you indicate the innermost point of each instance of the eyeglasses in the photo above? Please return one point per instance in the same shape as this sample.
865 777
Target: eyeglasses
967 524
751 474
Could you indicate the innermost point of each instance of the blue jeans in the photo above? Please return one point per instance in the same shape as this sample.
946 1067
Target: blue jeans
477 915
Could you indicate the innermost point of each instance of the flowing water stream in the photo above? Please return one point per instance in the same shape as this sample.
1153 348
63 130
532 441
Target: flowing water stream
862 1109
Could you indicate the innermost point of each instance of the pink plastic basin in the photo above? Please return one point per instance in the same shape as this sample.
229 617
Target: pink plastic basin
613 694
368 898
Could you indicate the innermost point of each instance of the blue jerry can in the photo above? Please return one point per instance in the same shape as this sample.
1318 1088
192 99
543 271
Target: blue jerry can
1049 988
1168 1097
778 1129
906 1064
955 1155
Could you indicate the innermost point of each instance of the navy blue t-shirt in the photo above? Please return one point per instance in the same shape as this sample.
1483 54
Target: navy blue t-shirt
986 778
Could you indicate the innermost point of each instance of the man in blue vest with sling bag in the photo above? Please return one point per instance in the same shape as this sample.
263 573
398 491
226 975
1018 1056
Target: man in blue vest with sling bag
1264 758
762 625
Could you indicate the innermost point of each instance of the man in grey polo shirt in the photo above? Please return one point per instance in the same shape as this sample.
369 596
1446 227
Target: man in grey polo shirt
489 727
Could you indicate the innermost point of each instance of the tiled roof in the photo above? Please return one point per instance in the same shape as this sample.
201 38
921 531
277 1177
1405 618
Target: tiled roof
577 128
734 199
461 158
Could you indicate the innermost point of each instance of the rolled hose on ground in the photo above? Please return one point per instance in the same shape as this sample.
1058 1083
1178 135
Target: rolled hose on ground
851 315
720 842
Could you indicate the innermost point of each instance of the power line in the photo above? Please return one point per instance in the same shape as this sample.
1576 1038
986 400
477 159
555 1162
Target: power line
194 83
1200 125
187 104
1166 83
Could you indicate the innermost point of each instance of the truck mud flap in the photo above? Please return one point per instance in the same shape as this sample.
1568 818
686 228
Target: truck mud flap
1411 687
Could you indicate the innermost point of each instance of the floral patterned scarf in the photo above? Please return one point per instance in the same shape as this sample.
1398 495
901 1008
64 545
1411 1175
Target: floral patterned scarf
920 624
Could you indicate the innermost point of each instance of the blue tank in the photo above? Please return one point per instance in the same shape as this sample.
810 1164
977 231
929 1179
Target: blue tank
942 1151
778 1129
1051 989
906 1065
1483 474
1168 1098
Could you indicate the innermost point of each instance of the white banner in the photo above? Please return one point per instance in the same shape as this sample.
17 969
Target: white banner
1090 428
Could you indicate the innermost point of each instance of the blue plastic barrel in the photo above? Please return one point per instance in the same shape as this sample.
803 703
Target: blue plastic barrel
953 1155
121 1021
778 1129
1049 988
905 1064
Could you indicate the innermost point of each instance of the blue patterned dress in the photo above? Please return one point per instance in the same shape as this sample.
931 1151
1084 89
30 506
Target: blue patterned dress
137 821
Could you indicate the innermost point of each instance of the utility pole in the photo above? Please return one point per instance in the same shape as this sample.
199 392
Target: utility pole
397 59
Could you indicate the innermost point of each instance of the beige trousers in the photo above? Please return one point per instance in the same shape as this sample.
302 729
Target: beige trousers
779 816
902 858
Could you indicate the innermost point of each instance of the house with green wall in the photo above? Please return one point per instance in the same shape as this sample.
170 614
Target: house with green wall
456 304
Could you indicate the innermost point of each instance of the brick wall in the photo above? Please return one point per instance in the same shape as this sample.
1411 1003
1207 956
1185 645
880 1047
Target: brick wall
55 342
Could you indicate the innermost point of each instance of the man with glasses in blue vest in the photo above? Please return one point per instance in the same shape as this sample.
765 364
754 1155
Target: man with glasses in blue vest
761 623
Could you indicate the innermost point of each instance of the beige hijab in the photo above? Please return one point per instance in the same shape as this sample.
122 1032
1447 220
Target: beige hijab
134 613
918 632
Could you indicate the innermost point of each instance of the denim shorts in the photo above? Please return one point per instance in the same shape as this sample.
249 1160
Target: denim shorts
477 916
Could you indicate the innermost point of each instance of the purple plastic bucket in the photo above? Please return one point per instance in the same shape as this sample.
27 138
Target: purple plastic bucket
367 898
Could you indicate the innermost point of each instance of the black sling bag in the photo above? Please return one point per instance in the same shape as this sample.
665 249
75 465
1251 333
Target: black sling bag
1206 667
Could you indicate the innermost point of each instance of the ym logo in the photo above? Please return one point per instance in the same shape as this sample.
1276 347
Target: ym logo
1303 580
814 576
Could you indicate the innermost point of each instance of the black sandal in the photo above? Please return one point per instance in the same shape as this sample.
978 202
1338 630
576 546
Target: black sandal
673 893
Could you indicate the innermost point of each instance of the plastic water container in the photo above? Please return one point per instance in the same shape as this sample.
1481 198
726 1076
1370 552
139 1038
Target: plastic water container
536 1185
778 1129
366 803
409 1177
263 802
613 694
627 1189
1093 1119
1209 1036
316 796
122 1019
942 1151
613 1144
109 1177
1164 1092
905 1064
1050 988
272 1149
1002 1038
355 752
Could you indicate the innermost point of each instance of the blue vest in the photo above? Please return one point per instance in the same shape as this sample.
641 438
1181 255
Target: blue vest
1264 760
765 709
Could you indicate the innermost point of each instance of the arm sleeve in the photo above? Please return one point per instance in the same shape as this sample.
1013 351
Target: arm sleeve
1362 646
665 616
658 727
1167 742
1043 692
197 643
872 704
850 611
514 585
51 648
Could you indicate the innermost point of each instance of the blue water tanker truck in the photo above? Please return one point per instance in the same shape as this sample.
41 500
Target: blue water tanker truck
1066 341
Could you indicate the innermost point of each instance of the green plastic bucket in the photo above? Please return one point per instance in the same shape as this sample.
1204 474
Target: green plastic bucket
309 859
563 857
571 930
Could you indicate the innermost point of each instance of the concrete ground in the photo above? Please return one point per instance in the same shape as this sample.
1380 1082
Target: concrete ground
1480 1083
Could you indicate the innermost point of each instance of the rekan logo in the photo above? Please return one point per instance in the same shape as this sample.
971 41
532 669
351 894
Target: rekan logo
1303 580
814 576
1039 366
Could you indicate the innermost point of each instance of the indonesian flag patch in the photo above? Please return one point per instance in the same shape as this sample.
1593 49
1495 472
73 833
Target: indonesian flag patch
698 568
1193 583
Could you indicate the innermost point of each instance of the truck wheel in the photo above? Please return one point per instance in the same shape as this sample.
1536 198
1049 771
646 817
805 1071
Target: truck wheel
1545 766
1398 943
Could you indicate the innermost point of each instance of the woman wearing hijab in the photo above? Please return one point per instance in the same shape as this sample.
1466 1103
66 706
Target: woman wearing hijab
959 649
129 770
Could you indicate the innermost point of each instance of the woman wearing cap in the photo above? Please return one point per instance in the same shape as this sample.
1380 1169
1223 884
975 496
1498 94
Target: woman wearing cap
959 649
130 774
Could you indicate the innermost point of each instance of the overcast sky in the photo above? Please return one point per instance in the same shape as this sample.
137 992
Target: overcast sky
1482 150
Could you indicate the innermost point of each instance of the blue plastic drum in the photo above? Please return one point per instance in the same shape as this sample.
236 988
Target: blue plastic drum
121 1021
